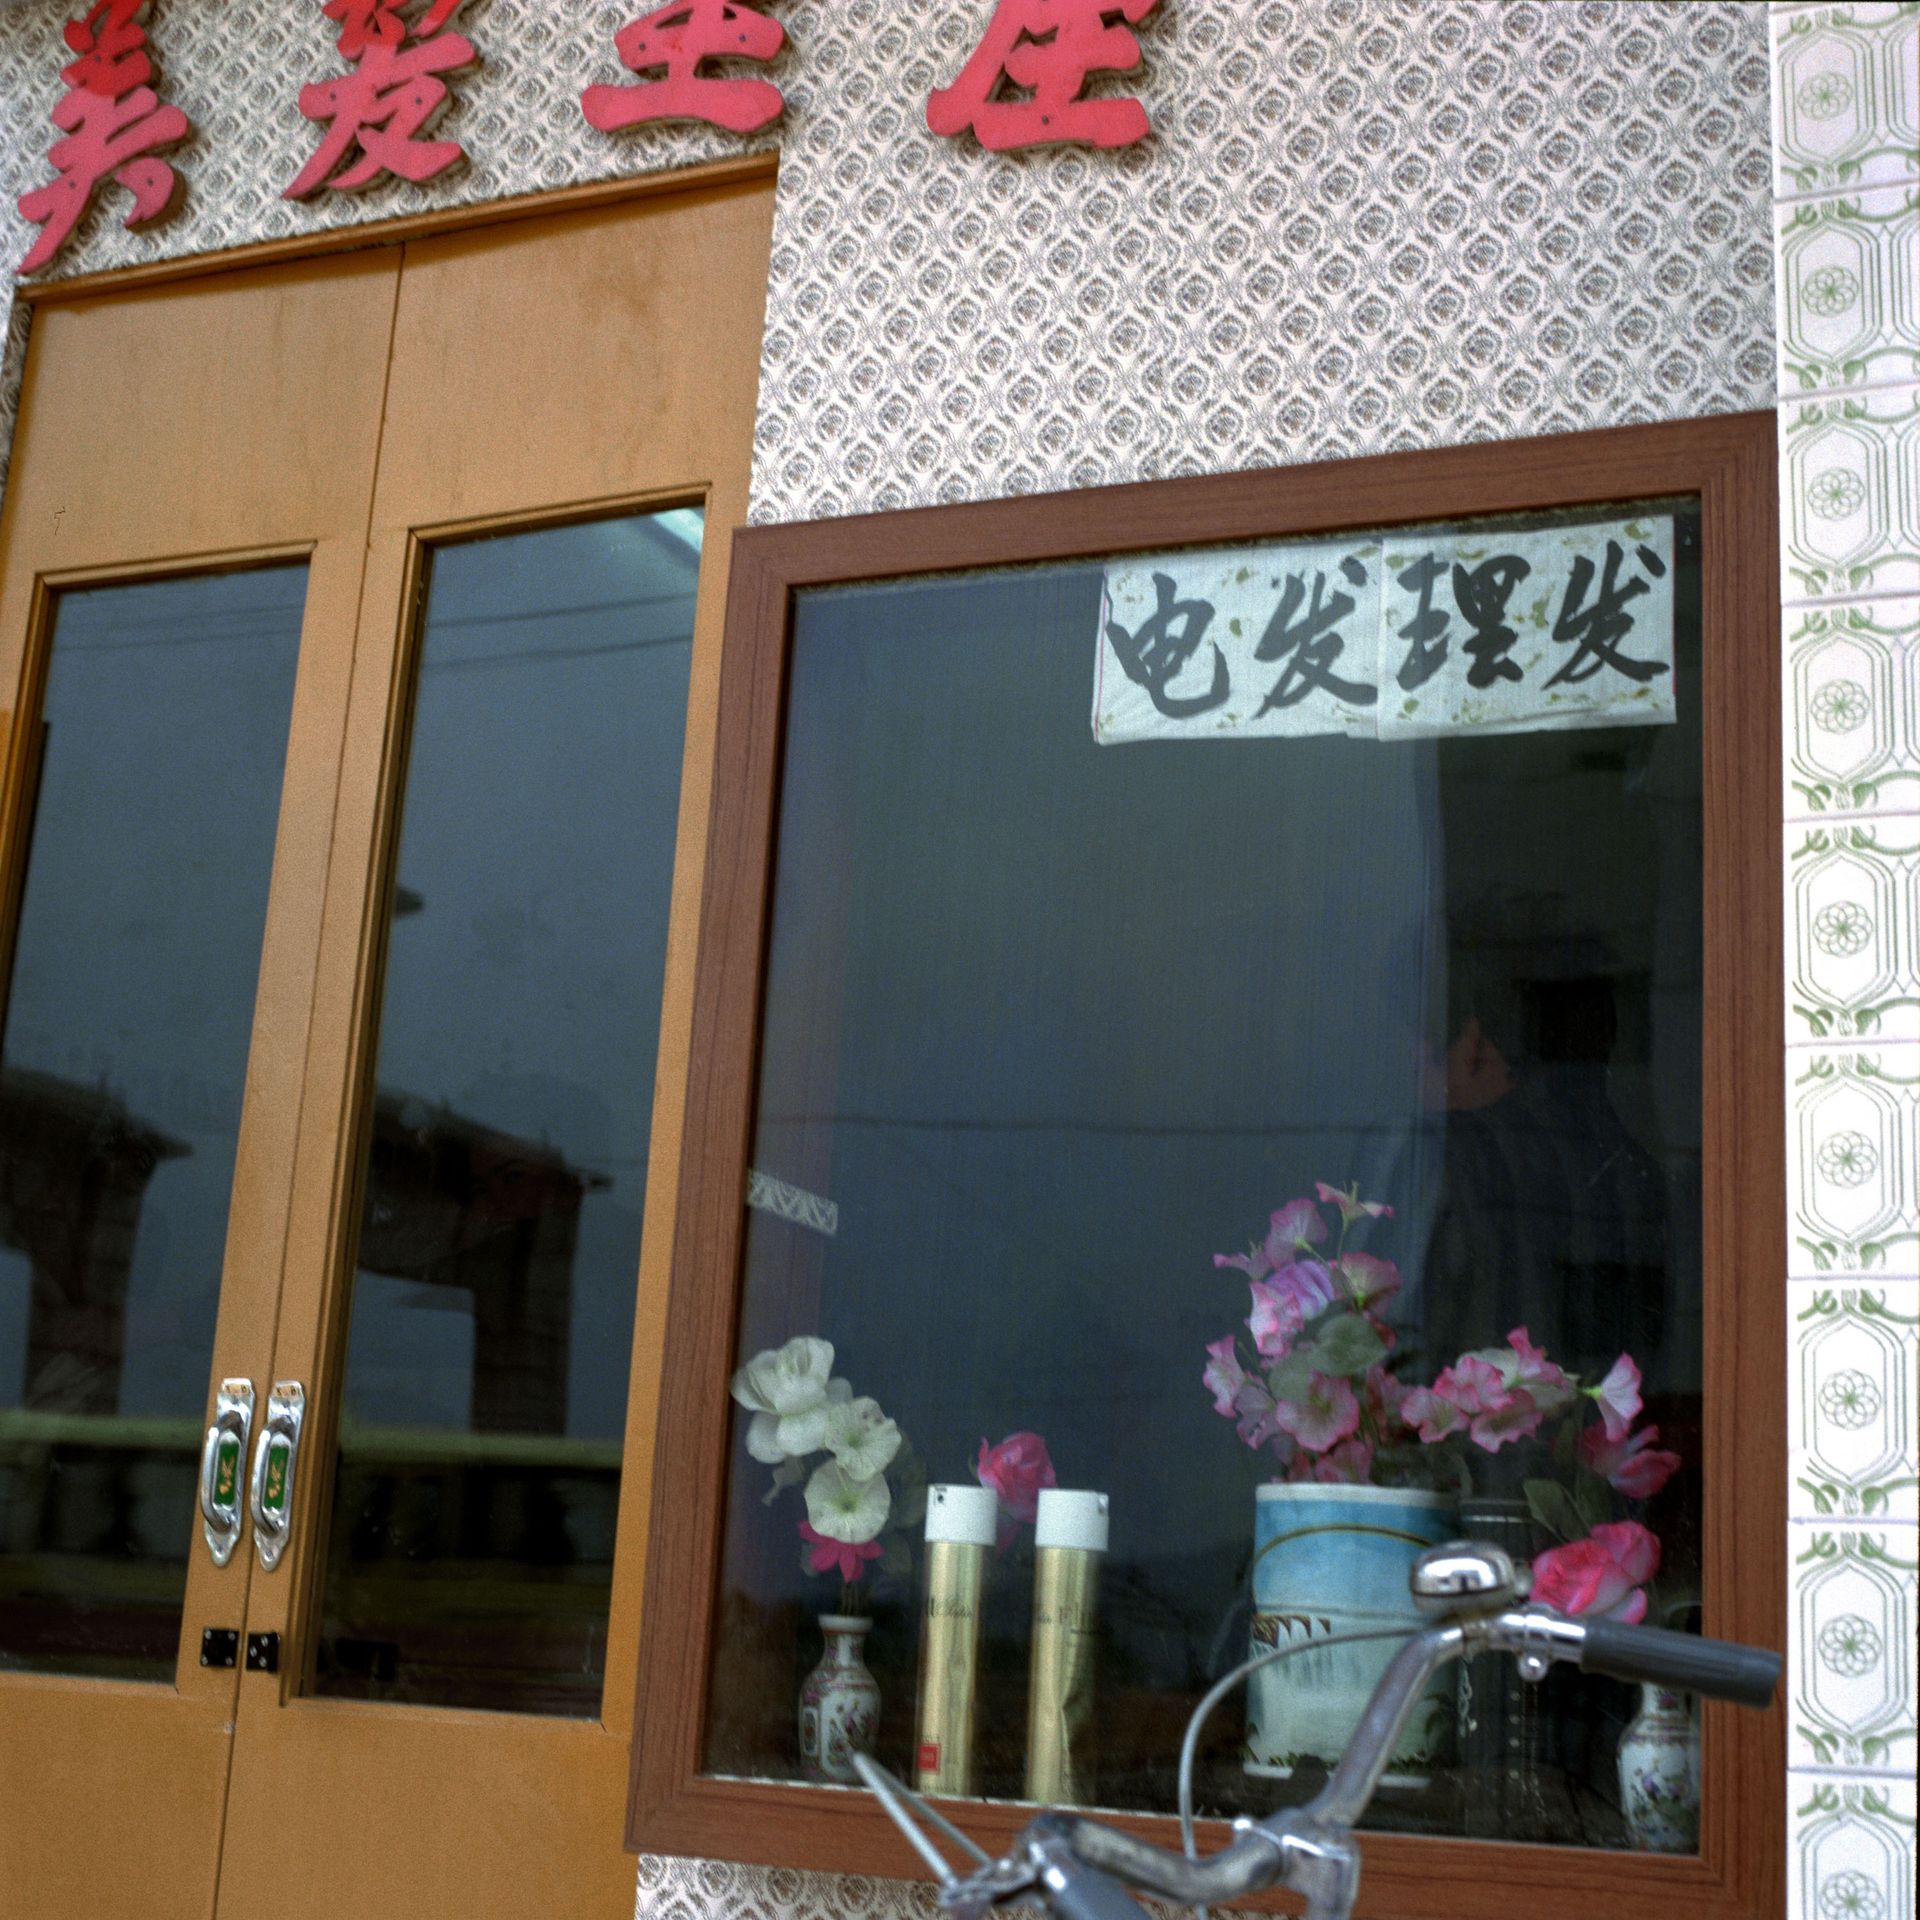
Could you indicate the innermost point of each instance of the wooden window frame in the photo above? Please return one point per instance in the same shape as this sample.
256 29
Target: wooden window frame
1729 463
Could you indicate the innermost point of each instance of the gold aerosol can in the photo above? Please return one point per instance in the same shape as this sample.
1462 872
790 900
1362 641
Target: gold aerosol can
960 1530
1069 1536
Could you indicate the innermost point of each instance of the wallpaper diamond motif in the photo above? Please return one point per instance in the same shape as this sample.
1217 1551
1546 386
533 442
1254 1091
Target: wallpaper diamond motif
1357 224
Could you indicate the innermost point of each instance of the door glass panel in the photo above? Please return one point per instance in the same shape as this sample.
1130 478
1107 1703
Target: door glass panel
503 1179
161 742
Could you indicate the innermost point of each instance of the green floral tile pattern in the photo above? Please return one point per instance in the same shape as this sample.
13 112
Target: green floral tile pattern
1843 96
1851 1844
1850 495
1847 279
1853 925
1851 709
1850 1649
1853 1162
1850 1425
1847 284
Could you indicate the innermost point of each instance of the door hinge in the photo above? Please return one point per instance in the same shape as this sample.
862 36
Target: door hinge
219 1646
263 1653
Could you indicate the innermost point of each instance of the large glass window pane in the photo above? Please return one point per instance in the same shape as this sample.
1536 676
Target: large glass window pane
1053 1031
162 737
470 1550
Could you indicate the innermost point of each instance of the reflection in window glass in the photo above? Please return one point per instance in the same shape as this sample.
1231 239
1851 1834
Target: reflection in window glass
470 1545
128 1019
1054 1034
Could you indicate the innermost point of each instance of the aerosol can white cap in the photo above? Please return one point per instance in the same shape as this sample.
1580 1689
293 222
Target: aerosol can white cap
1070 1518
968 1515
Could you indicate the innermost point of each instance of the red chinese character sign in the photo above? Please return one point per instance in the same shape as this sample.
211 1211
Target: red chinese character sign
378 115
1046 50
670 48
114 125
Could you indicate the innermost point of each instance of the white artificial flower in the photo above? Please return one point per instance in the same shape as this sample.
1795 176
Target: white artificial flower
842 1508
787 1379
805 1431
861 1438
763 1439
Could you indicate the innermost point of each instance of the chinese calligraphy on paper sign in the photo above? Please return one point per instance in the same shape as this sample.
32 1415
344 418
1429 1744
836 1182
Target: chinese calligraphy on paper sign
1046 50
1421 631
114 124
377 116
669 49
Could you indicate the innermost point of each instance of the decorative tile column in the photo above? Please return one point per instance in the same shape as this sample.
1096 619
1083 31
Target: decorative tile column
1847 217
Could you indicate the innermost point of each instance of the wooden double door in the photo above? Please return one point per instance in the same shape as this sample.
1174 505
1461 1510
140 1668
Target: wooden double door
360 624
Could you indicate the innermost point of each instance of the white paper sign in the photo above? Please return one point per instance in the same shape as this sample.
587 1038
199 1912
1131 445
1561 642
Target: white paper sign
1413 632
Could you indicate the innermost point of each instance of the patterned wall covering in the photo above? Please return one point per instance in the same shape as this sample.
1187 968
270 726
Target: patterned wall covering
1847 220
1358 224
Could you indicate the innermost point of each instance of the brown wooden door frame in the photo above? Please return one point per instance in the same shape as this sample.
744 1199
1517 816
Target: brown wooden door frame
633 336
520 391
111 1794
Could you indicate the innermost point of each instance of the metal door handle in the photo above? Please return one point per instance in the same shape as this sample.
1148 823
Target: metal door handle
222 1460
270 1498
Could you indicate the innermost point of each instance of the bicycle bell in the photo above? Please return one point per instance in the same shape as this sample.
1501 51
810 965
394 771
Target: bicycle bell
1465 1576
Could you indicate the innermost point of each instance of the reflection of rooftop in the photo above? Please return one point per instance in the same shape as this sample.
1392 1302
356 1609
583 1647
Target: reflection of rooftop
454 1203
74 1167
450 1203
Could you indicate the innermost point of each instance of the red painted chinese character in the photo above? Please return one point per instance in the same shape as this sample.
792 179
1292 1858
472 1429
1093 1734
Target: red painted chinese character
114 124
673 42
390 99
1047 49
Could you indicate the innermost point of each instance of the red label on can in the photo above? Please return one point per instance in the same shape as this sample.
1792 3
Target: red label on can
929 1756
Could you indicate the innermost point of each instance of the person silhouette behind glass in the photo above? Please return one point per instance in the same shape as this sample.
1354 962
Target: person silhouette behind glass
1551 1215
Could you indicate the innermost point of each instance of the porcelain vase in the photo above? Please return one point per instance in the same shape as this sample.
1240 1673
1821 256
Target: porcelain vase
839 1702
1331 1560
1660 1774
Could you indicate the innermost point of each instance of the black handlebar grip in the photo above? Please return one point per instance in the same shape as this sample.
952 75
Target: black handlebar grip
1076 1891
1721 1669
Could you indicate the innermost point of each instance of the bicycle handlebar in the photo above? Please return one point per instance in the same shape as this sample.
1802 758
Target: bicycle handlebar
1721 1669
1083 1869
1073 1889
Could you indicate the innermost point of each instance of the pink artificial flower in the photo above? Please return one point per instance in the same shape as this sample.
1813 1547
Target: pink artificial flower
1386 1391
1223 1376
1257 1421
1496 1412
1476 1388
1016 1470
849 1556
1255 1265
1603 1574
1291 1231
1284 1304
1327 1412
1548 1386
1432 1413
1297 1227
1619 1397
1627 1466
1516 1419
1372 1282
1350 1463
1351 1208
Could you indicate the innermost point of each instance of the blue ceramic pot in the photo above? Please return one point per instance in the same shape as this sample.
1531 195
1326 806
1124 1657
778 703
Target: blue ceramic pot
1329 1560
